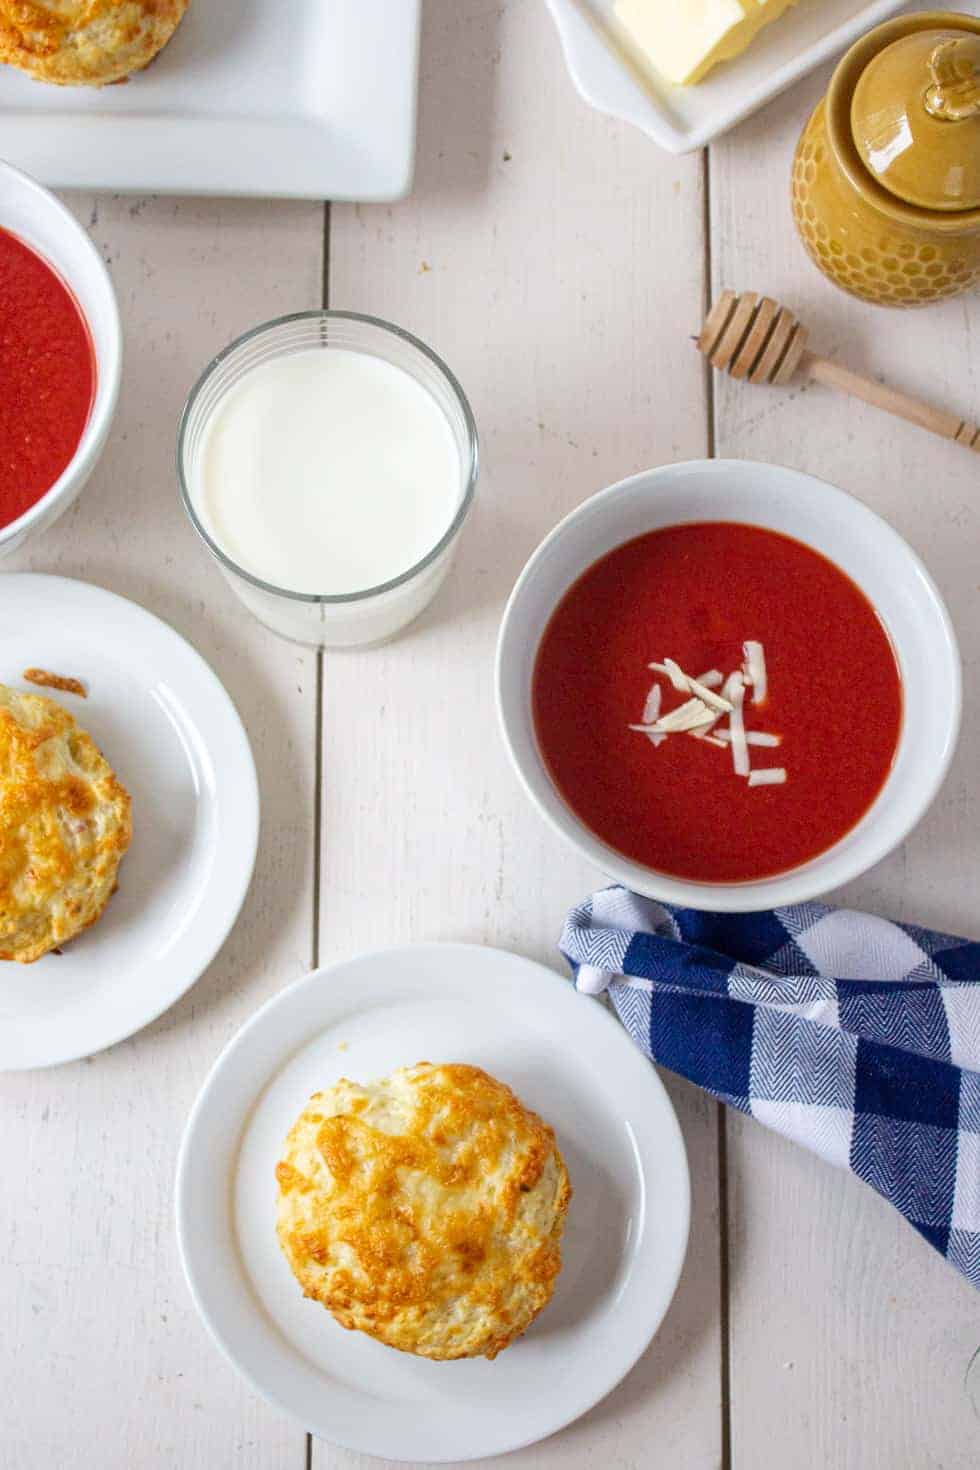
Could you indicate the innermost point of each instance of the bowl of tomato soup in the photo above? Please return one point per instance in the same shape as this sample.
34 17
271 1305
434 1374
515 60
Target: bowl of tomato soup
60 357
729 685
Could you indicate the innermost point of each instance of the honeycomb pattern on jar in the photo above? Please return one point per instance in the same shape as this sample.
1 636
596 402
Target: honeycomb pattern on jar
893 269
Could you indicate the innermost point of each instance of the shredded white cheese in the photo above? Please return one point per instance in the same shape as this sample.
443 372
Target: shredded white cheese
684 684
754 737
710 739
734 689
768 776
675 674
754 670
705 731
687 716
651 710
699 715
716 701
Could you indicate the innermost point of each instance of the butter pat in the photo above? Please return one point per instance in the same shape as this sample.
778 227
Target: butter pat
684 39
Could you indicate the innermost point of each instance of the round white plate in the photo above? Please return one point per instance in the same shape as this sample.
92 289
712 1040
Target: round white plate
566 1057
174 739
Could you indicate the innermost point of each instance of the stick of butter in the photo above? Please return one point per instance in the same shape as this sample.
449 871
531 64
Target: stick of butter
684 39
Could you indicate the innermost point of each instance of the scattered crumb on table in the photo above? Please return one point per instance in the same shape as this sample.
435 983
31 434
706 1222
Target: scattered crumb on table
342 1045
48 680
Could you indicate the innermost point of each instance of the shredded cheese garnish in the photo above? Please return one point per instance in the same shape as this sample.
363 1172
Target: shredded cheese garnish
675 674
754 670
688 716
655 735
768 776
734 687
754 737
684 684
700 715
651 710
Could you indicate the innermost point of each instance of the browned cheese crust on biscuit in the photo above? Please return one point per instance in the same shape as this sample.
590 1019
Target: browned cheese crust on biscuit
85 42
425 1209
67 683
65 823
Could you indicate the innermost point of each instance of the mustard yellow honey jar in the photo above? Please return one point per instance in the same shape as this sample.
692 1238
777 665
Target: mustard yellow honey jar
886 177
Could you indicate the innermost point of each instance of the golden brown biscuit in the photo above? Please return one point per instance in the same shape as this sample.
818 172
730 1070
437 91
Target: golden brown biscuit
64 826
425 1209
85 42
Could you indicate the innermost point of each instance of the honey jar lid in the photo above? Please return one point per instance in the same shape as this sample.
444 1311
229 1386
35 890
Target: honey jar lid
915 118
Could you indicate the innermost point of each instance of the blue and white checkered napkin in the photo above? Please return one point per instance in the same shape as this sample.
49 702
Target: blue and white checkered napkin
856 1037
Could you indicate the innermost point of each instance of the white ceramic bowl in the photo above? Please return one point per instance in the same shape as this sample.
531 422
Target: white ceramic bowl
42 221
840 527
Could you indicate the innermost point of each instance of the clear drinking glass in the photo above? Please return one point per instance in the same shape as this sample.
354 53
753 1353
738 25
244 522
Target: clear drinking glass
373 614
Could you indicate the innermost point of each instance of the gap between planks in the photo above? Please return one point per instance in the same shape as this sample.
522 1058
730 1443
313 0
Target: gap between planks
318 745
724 1325
318 720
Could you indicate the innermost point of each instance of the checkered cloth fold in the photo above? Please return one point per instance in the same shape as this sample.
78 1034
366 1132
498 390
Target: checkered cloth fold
856 1037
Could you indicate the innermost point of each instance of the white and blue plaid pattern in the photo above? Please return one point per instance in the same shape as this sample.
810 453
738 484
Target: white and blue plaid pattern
854 1036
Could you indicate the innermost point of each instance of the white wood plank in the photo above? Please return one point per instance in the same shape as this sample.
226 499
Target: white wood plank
102 1357
850 1337
555 259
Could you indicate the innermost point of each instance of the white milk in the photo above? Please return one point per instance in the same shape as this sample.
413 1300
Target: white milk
328 471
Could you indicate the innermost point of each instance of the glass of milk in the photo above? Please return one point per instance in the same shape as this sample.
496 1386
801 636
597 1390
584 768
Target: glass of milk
328 461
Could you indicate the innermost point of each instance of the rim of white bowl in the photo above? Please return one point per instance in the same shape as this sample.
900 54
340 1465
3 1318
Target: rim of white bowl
108 366
820 874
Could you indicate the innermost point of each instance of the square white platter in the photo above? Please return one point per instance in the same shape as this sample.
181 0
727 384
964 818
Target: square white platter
310 99
611 75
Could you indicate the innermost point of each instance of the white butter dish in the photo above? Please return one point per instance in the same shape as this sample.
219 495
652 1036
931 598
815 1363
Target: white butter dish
610 75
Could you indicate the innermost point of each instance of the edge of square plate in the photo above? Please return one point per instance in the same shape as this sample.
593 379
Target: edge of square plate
212 157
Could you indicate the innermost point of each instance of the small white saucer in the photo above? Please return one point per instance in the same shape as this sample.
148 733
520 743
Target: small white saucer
571 1061
174 738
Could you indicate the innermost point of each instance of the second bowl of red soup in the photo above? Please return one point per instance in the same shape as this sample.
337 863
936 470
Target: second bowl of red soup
60 357
728 684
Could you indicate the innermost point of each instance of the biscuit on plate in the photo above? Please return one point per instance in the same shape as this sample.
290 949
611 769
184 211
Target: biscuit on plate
64 826
425 1209
85 42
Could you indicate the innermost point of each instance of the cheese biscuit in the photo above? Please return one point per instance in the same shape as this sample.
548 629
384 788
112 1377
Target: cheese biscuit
425 1209
65 824
85 42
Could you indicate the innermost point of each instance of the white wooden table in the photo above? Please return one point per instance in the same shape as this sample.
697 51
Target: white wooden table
559 262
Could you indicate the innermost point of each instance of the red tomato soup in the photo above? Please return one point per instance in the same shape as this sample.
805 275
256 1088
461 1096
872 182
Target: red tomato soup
696 594
47 377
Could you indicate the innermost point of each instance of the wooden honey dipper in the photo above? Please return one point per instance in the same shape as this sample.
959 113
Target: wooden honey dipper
753 337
